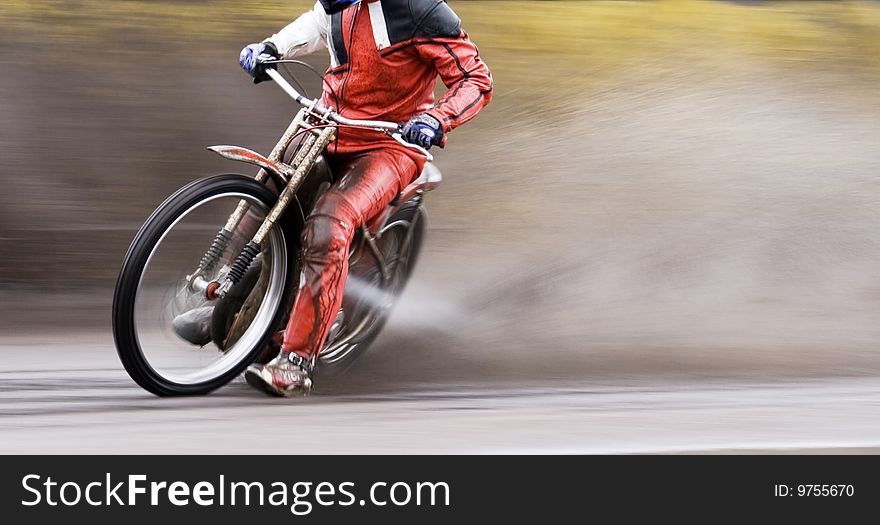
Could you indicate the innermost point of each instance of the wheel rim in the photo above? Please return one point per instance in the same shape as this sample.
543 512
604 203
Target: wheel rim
156 301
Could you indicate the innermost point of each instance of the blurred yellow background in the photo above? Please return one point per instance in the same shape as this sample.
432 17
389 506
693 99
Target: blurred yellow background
656 185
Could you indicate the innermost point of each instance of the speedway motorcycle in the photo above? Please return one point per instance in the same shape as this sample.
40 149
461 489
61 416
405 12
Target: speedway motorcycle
226 247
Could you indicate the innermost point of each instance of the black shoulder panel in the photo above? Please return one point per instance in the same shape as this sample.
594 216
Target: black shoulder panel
336 39
408 19
434 18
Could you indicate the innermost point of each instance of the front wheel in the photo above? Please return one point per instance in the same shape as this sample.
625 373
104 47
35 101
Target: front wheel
153 288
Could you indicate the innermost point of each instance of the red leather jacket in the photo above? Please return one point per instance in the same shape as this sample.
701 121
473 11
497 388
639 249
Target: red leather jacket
386 56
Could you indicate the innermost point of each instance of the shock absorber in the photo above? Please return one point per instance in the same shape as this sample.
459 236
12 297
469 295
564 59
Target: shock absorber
212 256
243 262
215 290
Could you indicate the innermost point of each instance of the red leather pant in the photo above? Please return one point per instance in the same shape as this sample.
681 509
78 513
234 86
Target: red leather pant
366 183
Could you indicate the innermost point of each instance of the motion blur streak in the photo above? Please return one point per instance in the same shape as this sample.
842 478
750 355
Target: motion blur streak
669 206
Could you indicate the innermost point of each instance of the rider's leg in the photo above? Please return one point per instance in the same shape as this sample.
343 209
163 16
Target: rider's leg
368 183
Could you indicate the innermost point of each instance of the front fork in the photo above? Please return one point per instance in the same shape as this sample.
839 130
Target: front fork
302 163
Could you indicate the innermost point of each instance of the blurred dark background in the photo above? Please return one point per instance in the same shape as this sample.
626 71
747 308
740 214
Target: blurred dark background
656 185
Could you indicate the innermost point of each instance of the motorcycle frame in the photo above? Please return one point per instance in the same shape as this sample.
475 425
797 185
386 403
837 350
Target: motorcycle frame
319 123
320 133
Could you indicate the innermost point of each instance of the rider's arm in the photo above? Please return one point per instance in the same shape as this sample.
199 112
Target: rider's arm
466 76
305 35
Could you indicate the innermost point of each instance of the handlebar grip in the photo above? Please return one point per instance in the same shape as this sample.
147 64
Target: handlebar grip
399 139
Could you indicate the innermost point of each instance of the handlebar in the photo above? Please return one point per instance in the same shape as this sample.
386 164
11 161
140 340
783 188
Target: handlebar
391 129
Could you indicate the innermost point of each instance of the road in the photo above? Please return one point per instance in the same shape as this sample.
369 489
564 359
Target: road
88 405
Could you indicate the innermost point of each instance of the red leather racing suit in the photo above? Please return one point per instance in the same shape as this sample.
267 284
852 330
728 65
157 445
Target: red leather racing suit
385 58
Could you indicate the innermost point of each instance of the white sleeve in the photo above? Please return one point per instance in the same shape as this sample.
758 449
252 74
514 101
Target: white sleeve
305 35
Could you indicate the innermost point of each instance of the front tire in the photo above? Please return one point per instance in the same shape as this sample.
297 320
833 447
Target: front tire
140 267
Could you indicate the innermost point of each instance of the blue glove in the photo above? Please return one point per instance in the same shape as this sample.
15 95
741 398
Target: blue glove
423 130
248 60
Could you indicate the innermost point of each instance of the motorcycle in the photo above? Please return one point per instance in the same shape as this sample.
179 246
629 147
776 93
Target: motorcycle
244 283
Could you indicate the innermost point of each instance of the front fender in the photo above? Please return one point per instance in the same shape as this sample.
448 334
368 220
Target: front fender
240 154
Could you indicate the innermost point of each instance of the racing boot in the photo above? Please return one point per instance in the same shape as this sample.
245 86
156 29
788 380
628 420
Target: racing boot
287 375
194 326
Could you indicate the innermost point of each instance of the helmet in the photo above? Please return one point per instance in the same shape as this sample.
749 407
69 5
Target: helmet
335 6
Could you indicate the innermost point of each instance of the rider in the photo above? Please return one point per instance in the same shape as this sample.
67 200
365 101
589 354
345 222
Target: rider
385 58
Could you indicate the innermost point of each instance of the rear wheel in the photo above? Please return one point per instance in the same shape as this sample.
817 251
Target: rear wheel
153 289
369 299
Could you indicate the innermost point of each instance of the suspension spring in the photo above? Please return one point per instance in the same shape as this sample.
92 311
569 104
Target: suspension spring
212 256
243 262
